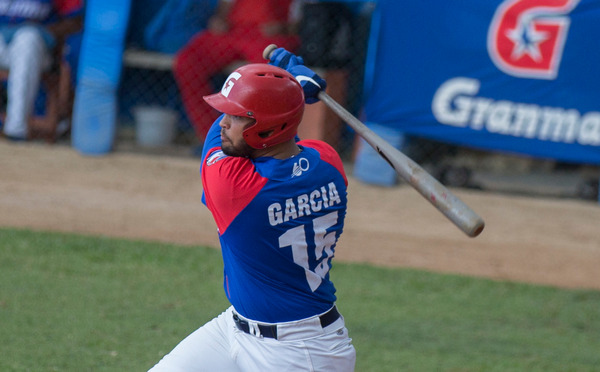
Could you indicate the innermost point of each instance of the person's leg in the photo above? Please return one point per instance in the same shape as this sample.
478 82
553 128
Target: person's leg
208 349
332 352
308 347
28 57
204 56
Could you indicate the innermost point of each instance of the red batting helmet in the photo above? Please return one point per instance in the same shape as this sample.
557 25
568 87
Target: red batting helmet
266 93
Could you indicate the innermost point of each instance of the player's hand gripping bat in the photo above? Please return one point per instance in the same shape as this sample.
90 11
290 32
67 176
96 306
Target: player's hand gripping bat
437 194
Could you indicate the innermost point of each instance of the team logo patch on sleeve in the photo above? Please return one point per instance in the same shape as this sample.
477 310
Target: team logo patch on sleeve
215 157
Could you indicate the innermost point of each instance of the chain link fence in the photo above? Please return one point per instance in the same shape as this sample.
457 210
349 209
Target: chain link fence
333 39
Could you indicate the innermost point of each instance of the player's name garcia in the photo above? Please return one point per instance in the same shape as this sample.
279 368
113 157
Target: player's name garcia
304 204
455 103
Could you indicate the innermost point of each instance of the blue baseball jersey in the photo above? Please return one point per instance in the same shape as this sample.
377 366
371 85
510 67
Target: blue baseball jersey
278 223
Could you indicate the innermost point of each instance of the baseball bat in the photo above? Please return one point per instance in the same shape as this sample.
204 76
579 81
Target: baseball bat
431 189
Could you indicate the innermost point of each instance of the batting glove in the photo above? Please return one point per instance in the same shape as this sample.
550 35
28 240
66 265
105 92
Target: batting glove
284 59
311 83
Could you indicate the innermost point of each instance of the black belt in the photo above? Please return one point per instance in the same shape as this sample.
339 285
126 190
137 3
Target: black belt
267 330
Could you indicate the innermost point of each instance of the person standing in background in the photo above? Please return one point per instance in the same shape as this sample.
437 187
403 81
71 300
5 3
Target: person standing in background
31 35
239 30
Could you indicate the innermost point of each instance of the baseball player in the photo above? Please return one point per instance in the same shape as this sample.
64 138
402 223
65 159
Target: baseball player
279 205
29 32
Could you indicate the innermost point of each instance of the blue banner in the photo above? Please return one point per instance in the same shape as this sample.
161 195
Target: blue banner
519 76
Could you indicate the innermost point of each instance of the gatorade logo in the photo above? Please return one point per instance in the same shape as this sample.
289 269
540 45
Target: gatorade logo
526 37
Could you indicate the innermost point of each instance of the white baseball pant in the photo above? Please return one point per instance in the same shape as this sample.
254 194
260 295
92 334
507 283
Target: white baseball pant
301 346
26 57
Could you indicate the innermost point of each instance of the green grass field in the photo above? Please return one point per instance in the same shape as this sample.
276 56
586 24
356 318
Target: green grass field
75 303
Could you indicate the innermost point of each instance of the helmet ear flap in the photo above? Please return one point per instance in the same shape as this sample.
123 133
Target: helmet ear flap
262 138
266 133
266 93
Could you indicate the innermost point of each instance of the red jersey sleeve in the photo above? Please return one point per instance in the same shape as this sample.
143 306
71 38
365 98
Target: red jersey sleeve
230 184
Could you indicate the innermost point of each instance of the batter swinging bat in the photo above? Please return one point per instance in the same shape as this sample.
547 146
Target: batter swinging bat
437 194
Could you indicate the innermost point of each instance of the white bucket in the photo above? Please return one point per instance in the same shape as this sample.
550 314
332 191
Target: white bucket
154 125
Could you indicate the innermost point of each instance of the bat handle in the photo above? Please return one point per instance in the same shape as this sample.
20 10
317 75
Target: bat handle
268 51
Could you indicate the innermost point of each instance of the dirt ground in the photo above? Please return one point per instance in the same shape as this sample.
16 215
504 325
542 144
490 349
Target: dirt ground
538 240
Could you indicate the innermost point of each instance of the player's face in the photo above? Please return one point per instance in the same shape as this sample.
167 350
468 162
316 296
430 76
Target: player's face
232 138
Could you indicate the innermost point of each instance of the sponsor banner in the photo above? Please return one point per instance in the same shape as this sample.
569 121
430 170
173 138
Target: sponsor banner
519 76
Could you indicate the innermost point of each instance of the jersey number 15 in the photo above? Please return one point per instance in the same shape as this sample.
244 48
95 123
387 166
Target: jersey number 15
324 241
